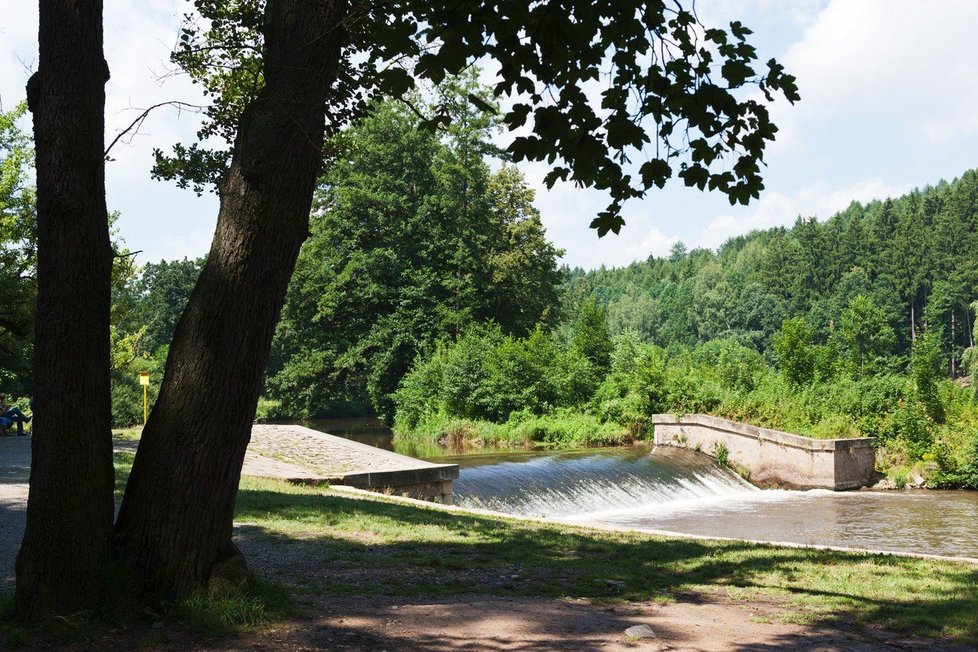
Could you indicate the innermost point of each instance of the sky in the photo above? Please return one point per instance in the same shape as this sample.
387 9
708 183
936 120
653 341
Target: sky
889 102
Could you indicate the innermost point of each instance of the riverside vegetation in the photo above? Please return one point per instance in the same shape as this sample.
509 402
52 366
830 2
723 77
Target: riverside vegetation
861 325
429 294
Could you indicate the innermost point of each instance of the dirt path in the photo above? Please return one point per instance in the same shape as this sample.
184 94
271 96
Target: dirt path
15 470
488 623
694 621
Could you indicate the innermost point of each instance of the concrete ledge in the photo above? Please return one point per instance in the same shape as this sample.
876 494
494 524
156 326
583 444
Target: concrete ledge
773 456
433 482
304 456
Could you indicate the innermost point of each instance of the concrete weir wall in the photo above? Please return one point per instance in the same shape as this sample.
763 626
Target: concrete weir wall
432 483
772 456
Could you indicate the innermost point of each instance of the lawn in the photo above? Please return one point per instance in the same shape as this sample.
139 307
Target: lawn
309 544
376 546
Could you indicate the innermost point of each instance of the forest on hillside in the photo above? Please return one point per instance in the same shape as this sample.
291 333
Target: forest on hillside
912 257
429 294
861 325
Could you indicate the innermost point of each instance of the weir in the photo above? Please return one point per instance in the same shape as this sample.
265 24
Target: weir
579 483
773 457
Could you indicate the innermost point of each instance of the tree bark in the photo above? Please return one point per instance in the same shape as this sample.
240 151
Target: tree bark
63 558
913 322
953 365
176 517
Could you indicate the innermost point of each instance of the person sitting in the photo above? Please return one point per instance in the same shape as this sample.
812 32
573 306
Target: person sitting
10 416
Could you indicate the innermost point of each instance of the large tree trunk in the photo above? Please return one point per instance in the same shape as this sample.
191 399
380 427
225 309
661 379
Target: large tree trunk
176 516
69 513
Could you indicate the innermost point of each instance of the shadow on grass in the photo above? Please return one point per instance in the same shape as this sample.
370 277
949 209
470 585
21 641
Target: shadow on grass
343 546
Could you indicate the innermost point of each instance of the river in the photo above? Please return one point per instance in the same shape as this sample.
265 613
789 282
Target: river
683 492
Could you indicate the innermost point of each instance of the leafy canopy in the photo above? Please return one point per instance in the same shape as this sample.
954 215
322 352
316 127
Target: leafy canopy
616 95
18 253
413 238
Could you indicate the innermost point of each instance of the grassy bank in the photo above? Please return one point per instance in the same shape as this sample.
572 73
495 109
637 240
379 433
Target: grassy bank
318 544
378 547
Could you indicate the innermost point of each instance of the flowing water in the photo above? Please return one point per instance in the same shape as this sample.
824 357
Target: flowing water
591 482
679 491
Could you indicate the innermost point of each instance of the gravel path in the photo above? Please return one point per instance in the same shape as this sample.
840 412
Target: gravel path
15 470
327 455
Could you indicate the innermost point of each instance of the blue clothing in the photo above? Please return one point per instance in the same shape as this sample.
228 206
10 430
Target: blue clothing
13 415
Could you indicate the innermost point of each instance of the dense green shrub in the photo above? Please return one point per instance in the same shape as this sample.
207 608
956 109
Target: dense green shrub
490 389
927 370
734 364
959 470
486 375
590 335
270 409
794 352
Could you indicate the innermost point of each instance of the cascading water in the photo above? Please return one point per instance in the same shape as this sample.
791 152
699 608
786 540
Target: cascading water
574 484
680 491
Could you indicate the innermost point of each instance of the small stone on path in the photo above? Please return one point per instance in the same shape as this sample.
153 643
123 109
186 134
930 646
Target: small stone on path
640 631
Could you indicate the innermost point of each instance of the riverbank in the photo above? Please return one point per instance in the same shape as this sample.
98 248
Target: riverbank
371 572
944 466
562 429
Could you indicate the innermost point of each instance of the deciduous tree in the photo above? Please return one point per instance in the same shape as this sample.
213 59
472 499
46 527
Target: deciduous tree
307 64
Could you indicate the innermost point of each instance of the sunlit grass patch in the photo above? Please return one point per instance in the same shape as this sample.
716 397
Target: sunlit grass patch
218 616
127 434
123 465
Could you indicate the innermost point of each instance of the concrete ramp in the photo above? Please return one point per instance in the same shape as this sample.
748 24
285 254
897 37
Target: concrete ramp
302 455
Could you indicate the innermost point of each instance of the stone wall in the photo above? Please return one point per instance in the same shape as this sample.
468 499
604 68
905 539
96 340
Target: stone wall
772 456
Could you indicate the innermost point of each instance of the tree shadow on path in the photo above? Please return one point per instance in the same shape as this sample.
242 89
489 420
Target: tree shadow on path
356 550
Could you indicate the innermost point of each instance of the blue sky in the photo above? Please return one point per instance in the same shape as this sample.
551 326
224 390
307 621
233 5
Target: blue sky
889 102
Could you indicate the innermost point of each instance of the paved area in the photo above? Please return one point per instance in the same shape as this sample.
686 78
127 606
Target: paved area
15 470
291 453
327 456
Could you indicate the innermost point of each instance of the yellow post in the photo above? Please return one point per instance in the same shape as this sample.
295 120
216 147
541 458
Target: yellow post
144 381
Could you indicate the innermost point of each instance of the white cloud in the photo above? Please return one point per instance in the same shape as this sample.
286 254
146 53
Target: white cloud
178 245
777 209
567 211
887 61
889 90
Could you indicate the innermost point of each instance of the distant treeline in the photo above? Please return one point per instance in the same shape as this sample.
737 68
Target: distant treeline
913 257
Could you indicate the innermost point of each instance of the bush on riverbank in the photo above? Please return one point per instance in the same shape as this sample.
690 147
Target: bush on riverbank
562 429
488 389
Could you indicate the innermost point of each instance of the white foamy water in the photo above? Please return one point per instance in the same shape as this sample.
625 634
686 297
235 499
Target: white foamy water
588 484
682 492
